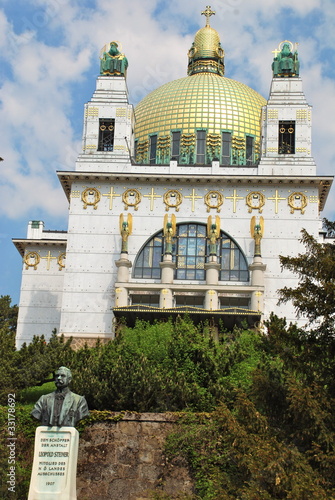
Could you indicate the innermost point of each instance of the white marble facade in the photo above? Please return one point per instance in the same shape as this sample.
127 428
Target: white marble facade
76 293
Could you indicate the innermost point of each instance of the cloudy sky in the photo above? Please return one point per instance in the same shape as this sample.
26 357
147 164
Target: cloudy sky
49 56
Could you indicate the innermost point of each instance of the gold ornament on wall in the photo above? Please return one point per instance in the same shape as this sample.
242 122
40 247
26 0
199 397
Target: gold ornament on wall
91 196
32 259
60 261
172 199
131 198
213 199
255 201
257 232
297 201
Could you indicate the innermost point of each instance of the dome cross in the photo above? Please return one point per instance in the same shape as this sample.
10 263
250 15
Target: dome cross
208 12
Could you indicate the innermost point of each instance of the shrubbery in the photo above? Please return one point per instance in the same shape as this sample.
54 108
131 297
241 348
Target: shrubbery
266 427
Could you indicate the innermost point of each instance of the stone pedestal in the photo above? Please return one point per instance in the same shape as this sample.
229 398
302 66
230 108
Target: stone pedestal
121 297
168 268
55 464
211 300
166 299
123 265
257 269
212 271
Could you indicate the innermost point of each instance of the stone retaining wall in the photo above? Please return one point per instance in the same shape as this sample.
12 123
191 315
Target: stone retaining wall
124 460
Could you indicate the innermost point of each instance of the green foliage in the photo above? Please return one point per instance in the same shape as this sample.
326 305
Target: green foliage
165 367
37 360
24 448
314 296
33 363
32 394
266 430
8 313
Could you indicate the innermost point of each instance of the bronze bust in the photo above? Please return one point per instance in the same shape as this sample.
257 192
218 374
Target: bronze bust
61 407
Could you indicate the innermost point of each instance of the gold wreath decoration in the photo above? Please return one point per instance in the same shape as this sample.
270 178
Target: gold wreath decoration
125 198
60 261
95 193
261 199
303 200
173 194
216 196
32 255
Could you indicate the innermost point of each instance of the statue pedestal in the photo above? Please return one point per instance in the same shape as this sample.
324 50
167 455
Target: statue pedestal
55 464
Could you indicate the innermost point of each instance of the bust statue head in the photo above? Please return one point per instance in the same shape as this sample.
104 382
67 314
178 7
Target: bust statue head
63 377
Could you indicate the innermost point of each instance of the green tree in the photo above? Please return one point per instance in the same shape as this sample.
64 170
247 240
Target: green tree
8 313
8 354
314 295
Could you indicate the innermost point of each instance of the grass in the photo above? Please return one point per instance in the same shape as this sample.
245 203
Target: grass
32 394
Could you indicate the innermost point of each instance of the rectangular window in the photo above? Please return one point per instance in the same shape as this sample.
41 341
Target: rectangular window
190 300
106 135
201 147
286 141
175 149
249 150
145 300
153 149
226 148
237 302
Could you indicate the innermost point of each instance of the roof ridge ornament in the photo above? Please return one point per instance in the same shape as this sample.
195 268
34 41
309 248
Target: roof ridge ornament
208 12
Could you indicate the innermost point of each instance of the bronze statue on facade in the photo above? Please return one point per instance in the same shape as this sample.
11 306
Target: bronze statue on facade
126 228
213 233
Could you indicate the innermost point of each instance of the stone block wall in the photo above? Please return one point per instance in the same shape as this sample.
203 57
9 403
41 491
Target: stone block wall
124 460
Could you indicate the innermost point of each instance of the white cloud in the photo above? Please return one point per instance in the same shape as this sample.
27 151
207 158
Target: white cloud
58 47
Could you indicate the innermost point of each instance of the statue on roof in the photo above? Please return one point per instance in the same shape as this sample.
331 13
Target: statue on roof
285 62
113 62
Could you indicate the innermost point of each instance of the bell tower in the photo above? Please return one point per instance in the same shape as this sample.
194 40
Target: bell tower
109 118
286 119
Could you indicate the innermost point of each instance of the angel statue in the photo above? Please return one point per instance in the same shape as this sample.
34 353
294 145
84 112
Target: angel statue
126 227
257 231
213 233
169 231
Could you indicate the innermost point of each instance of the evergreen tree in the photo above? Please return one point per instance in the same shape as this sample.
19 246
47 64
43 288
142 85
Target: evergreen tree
314 296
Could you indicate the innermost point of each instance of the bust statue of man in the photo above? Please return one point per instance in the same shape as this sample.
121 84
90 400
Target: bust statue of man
61 407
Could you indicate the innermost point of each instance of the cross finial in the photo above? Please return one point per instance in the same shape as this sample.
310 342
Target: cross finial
208 12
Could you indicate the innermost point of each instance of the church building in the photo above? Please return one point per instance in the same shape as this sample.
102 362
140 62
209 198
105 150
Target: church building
181 206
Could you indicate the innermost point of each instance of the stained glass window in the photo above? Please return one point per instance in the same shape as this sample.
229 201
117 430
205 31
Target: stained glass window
190 251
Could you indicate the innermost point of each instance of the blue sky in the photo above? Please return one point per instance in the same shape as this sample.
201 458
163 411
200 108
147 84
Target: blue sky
49 57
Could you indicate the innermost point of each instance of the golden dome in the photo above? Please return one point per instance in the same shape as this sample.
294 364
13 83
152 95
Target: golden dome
202 117
203 101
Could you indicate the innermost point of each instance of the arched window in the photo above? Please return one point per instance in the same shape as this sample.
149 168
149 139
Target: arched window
190 252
